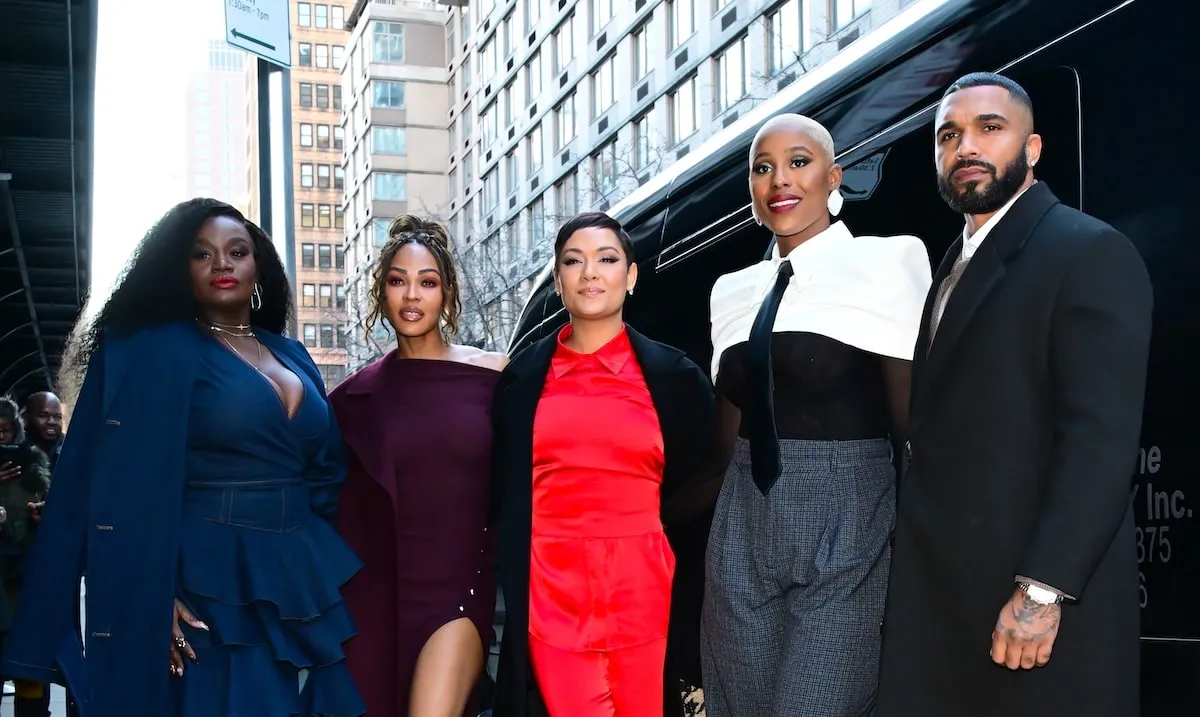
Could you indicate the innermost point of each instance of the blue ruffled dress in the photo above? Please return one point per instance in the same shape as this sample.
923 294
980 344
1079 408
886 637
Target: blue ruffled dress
257 563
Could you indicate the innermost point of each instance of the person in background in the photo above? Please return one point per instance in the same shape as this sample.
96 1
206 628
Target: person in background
418 427
1015 527
197 490
24 480
43 416
595 427
811 356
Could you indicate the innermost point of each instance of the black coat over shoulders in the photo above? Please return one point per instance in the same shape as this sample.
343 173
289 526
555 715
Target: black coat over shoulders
1025 422
684 400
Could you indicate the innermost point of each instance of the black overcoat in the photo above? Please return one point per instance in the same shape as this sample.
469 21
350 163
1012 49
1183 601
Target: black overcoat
684 398
1024 430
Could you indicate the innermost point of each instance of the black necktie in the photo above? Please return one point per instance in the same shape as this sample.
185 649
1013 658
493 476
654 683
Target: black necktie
765 463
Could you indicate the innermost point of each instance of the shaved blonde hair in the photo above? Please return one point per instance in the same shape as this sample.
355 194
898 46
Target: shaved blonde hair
796 123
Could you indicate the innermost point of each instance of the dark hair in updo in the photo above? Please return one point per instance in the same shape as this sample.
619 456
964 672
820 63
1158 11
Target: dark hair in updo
411 229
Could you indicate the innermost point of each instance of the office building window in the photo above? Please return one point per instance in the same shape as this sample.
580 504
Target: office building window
339 137
306 94
389 186
379 231
534 138
339 220
641 51
643 128
339 178
602 12
733 74
339 56
340 301
533 78
388 140
564 117
684 116
324 255
533 13
337 97
306 176
306 135
305 51
564 44
322 136
339 256
304 14
327 336
322 97
387 93
325 216
306 256
333 374
604 86
784 36
847 11
308 295
310 335
323 56
338 17
308 215
387 41
322 16
324 180
325 297
682 14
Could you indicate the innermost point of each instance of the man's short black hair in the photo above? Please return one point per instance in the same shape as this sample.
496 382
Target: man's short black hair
991 79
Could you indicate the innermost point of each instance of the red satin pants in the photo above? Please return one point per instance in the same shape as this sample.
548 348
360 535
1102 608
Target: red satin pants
618 683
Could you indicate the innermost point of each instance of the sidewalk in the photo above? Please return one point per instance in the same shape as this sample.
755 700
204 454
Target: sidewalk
58 703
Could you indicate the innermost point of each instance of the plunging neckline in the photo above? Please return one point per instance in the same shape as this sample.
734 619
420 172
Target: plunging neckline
276 391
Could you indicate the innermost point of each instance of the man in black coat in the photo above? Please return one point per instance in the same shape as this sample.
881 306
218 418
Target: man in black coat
1014 577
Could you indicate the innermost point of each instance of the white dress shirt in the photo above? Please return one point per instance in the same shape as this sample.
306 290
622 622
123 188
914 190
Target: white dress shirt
867 292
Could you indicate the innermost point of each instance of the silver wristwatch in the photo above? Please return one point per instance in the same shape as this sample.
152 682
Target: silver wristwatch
1040 595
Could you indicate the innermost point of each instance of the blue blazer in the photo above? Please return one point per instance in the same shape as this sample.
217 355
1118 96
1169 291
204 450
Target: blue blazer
113 514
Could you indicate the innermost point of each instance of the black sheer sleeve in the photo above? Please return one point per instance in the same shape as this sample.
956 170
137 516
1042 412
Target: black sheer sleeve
897 378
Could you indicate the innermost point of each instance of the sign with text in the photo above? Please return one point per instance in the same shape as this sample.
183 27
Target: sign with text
260 27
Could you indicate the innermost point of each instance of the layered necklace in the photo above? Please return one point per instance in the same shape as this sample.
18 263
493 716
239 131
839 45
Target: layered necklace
241 331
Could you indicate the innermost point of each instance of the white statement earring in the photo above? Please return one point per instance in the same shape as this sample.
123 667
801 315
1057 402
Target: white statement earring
755 215
835 202
256 297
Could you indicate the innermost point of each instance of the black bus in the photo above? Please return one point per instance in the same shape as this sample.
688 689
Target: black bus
1109 82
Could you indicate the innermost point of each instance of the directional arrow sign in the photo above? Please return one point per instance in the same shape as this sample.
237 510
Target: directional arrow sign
260 27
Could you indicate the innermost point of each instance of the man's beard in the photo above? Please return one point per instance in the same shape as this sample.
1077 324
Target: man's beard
995 194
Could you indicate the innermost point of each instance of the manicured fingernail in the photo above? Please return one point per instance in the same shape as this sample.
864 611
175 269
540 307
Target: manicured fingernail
200 624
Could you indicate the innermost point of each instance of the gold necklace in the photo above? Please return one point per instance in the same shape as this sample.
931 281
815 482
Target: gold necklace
242 331
243 357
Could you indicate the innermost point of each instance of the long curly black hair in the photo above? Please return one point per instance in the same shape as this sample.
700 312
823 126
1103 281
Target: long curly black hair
156 287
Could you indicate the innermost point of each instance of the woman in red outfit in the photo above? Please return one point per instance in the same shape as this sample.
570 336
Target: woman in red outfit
417 425
593 425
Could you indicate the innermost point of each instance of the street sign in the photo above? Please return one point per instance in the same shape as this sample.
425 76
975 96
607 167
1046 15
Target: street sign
260 27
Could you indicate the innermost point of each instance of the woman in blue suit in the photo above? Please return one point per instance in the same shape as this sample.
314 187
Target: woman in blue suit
196 492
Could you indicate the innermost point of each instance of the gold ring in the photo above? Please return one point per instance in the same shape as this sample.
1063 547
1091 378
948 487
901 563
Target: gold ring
180 642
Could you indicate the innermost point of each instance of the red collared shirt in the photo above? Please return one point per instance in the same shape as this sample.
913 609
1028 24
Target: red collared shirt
601 567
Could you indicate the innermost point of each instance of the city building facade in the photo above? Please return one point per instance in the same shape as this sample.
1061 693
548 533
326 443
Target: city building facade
214 125
394 121
559 106
319 40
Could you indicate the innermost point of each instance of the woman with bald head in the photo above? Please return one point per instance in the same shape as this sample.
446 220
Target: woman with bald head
811 355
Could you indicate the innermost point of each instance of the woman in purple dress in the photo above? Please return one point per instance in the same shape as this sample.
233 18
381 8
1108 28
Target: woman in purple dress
417 424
